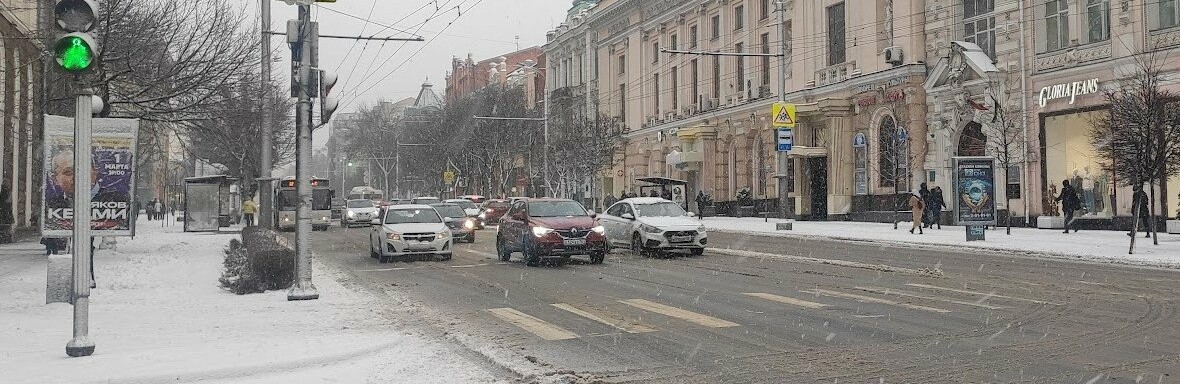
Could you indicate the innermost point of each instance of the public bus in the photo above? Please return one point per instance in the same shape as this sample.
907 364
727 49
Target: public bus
366 192
287 202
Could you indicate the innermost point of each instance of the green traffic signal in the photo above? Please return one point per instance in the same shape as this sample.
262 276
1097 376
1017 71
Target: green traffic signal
75 52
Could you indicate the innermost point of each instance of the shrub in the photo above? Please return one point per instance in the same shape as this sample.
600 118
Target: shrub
258 263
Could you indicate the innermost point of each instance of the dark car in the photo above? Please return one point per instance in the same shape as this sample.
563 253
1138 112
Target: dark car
493 210
462 227
547 229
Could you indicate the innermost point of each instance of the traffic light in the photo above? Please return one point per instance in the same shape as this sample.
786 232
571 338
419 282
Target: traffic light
328 103
76 51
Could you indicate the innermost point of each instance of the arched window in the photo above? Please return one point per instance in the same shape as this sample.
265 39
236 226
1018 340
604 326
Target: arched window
731 171
757 166
972 142
887 151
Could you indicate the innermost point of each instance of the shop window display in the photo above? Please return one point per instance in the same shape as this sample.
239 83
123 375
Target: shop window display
1069 155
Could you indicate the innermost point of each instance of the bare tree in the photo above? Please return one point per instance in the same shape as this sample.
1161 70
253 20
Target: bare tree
1140 137
1009 145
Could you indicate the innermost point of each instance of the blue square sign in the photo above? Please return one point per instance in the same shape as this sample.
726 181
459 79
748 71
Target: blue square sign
786 139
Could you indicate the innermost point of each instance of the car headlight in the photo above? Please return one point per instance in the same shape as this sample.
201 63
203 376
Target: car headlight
395 236
442 235
483 215
541 231
351 214
599 229
649 229
469 224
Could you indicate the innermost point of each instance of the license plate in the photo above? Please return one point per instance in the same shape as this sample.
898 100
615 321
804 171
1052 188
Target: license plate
681 238
574 241
419 245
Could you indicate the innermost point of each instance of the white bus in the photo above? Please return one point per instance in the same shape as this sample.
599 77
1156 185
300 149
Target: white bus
287 201
366 192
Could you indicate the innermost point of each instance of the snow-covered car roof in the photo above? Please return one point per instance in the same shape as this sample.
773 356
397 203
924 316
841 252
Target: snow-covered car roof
410 206
647 200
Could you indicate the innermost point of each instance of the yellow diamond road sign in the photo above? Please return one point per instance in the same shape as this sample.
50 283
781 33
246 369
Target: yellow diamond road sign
782 115
449 176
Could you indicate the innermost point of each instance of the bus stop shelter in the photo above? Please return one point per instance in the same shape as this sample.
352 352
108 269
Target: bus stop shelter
211 202
678 188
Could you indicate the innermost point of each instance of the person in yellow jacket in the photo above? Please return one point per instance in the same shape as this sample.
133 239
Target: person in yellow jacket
249 209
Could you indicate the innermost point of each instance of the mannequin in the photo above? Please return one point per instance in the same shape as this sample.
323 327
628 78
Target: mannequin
1076 182
1088 191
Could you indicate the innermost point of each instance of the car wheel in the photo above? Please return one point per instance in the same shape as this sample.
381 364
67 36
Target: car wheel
502 251
698 251
637 245
597 258
471 237
447 256
383 259
531 258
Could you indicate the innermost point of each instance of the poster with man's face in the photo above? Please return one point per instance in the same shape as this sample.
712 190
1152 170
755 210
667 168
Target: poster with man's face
111 177
975 191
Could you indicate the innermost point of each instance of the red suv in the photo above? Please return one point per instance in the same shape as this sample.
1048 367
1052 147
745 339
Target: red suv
493 210
550 229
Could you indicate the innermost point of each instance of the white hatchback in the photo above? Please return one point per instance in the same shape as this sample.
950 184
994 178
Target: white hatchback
649 225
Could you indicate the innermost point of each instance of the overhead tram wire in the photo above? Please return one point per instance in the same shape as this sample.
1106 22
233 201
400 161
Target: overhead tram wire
390 73
353 45
369 70
348 77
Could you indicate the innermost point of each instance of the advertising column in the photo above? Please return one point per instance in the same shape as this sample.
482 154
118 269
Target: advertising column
112 171
974 194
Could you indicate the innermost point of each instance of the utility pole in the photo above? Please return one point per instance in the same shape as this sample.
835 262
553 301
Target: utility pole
81 345
545 158
265 178
784 162
303 289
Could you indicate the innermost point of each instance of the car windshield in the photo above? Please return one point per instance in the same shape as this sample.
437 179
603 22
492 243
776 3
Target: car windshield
499 205
659 210
360 204
555 209
449 210
415 215
464 203
427 200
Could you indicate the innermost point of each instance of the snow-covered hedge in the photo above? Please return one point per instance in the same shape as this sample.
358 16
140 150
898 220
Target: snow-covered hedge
258 263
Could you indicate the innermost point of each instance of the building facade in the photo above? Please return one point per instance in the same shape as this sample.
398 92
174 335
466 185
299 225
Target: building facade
20 126
467 76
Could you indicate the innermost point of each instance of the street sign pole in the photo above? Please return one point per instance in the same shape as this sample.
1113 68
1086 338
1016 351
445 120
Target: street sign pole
81 345
784 162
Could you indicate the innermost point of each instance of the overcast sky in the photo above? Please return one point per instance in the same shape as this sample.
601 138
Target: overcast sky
375 70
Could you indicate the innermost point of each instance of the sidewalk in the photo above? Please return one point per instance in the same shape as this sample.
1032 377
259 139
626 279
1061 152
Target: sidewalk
1097 246
158 315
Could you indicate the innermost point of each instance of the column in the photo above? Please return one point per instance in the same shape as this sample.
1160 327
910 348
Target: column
17 121
840 159
33 142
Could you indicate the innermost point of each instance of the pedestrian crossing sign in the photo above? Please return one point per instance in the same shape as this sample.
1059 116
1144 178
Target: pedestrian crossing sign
782 115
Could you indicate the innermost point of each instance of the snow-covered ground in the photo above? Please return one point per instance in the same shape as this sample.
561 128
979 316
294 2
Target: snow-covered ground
1099 246
158 315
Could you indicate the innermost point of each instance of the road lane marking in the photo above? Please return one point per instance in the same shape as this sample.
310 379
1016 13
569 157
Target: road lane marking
868 299
469 265
382 269
537 326
786 300
678 313
621 325
484 254
891 291
924 272
978 293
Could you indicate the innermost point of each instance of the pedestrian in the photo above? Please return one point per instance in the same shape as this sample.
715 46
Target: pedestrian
1140 211
917 206
159 209
937 203
924 193
248 210
609 200
667 195
149 210
1069 203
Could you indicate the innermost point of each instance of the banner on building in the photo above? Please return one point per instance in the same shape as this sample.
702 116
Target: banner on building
975 190
112 178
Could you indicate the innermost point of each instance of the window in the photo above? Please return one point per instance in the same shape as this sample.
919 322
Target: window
980 24
623 102
890 154
1056 25
655 52
1098 20
622 64
655 79
836 34
716 26
740 65
764 40
764 10
739 17
1169 13
695 81
692 36
675 44
675 88
1013 178
716 77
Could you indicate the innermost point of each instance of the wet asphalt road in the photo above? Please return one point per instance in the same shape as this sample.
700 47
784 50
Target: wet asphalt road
772 309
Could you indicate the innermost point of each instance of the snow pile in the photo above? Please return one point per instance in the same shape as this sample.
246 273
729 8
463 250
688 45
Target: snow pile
158 315
1098 246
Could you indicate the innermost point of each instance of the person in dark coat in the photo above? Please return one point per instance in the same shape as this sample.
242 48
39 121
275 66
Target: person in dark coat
934 208
924 194
1069 204
1140 211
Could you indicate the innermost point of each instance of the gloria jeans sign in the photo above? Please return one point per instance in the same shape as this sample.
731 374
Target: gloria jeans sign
1068 90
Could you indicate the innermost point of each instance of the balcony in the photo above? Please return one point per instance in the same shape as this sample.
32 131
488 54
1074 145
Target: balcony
835 74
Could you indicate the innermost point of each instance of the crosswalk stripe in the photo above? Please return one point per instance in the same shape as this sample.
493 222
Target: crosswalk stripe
786 300
532 324
616 324
868 299
892 291
678 313
916 285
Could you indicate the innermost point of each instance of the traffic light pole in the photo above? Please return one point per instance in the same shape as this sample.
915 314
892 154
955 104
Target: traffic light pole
303 289
265 186
81 345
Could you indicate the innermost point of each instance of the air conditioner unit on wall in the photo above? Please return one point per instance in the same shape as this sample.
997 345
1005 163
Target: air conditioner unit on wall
893 55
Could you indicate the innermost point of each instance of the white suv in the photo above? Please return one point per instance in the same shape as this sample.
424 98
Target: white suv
649 225
405 231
